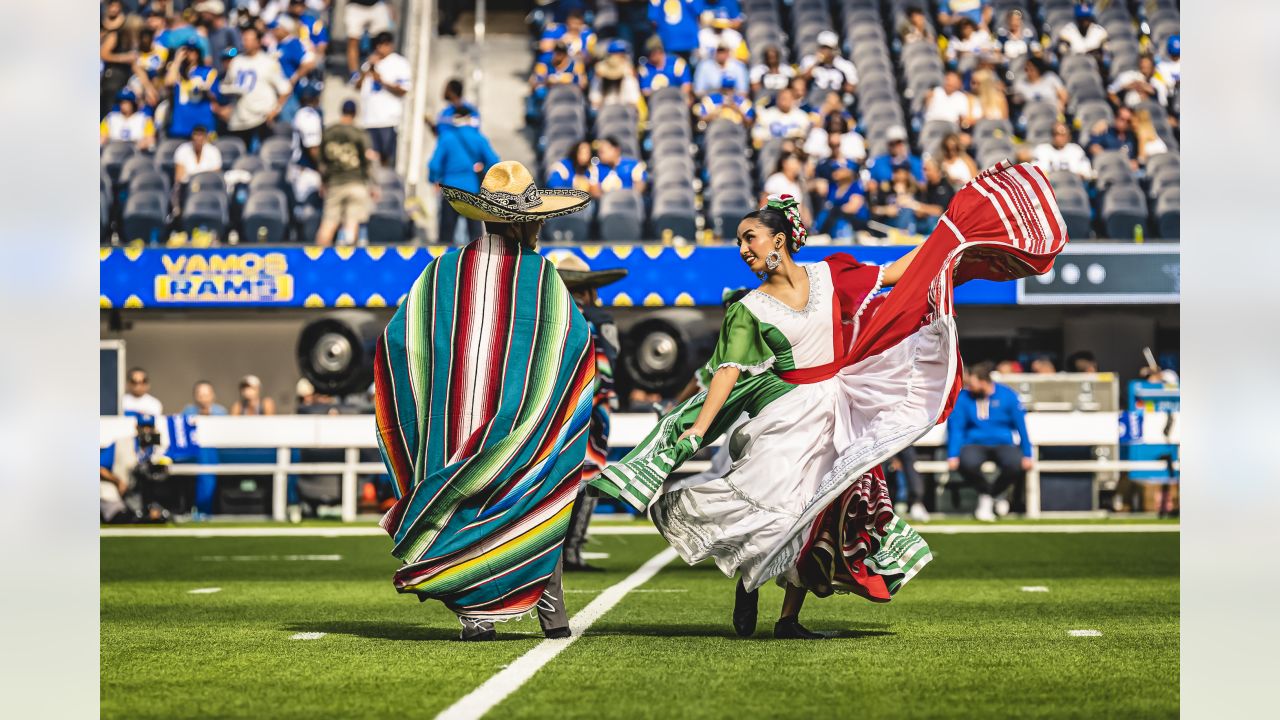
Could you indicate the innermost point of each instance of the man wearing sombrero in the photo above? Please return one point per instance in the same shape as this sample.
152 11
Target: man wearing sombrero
583 282
484 382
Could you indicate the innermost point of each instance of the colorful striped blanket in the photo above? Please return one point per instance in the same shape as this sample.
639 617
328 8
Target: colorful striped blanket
484 381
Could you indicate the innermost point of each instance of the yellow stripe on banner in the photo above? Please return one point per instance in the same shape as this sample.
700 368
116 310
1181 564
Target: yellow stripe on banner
684 251
133 301
104 253
437 250
313 301
104 302
313 252
402 299
591 251
684 299
621 251
375 300
653 251
133 252
622 300
344 253
653 299
407 251
344 300
375 252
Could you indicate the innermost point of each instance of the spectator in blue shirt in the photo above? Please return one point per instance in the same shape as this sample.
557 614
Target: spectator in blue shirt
573 172
453 103
951 12
711 74
559 69
574 33
728 104
677 22
981 428
729 9
1119 136
311 29
191 92
881 167
614 171
659 70
204 401
180 32
844 209
461 158
296 59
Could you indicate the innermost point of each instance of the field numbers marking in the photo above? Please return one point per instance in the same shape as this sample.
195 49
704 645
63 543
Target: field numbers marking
497 688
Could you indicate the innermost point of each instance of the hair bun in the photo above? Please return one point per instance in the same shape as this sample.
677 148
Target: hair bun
789 206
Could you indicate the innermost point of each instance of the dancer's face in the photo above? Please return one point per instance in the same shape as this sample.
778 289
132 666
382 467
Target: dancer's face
755 241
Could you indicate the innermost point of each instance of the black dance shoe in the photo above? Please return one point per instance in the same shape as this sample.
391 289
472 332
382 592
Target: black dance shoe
789 628
745 606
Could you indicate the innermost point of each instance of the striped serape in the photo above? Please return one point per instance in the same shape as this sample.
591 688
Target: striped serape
484 381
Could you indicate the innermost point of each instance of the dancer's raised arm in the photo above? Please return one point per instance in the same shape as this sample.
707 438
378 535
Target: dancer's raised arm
893 273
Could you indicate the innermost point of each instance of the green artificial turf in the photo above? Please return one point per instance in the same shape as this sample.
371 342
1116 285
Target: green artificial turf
961 640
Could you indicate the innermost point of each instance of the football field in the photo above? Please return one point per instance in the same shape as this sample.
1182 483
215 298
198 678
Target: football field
1008 624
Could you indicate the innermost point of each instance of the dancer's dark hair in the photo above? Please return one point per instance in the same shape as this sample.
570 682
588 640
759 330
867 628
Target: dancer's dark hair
782 215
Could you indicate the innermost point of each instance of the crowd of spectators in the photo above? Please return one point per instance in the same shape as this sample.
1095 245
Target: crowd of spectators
876 126
210 120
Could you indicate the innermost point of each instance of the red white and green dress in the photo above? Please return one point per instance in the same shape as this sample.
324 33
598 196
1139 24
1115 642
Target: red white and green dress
832 390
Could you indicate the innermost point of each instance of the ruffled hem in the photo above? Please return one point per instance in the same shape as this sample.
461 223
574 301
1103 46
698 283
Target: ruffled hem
747 369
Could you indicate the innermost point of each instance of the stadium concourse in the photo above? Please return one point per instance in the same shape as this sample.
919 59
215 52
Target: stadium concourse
679 119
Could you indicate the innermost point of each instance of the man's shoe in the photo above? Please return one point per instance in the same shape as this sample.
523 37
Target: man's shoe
557 633
581 567
1001 507
475 630
485 636
984 511
745 611
789 628
918 513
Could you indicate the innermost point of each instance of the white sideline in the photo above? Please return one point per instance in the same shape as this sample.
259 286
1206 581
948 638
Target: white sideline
613 529
494 690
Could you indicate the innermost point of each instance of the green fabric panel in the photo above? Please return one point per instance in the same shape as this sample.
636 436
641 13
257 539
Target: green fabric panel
741 340
780 345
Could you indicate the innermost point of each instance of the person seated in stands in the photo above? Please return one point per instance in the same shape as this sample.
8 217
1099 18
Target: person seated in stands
981 428
730 10
956 164
614 82
726 104
252 401
896 203
1062 154
771 74
573 172
151 61
717 29
711 74
191 86
1117 136
193 157
832 106
1084 36
781 120
1082 361
828 69
952 104
615 171
203 401
677 24
1017 40
844 207
836 131
127 124
951 12
1043 365
969 43
1134 87
915 27
789 179
577 36
1039 84
559 69
453 103
1169 69
1150 143
934 198
659 70
881 167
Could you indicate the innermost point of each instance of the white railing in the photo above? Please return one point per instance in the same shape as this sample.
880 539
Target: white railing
352 433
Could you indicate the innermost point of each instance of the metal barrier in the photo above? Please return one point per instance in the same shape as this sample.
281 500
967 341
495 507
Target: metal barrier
352 433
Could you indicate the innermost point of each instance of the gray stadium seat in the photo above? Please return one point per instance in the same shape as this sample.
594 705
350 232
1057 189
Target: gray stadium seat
136 165
670 95
276 153
148 181
206 182
265 218
675 214
932 134
389 223
206 211
1168 214
621 216
114 156
727 213
232 149
569 228
1089 113
145 217
1124 209
251 164
104 217
164 154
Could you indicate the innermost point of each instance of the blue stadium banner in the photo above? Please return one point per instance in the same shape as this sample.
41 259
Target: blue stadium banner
234 277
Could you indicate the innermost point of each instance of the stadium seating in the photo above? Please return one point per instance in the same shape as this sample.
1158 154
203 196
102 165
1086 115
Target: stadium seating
266 217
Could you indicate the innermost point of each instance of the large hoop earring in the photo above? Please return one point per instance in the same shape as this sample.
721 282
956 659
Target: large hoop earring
773 260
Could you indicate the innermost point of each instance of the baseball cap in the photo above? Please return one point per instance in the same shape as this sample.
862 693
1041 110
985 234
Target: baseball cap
126 94
653 43
617 46
1174 46
191 43
304 388
1084 10
349 107
213 7
230 53
828 39
896 133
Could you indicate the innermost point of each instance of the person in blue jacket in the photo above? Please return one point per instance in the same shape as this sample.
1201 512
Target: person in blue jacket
981 428
461 158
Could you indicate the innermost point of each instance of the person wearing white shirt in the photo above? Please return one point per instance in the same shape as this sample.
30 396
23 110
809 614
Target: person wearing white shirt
1062 154
1134 87
137 397
970 42
951 103
256 81
782 120
771 75
384 81
789 180
308 131
196 156
852 145
1082 37
1170 68
827 69
710 37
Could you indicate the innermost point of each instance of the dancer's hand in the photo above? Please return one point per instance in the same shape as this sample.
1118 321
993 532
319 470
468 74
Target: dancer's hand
700 433
953 464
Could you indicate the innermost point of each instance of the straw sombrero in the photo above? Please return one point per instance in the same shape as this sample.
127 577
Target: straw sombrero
578 275
508 194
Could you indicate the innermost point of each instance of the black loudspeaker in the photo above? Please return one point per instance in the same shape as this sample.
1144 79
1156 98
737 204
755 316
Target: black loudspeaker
335 352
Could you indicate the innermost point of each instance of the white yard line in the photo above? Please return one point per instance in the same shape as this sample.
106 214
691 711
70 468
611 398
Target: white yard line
509 679
204 591
1085 633
307 636
268 558
208 531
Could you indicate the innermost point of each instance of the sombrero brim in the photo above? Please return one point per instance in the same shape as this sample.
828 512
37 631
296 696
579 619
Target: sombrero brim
574 279
555 203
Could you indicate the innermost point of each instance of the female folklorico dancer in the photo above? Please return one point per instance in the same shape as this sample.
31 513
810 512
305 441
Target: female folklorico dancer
835 380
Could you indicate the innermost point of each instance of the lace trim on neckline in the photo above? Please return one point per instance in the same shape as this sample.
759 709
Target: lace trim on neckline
815 295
